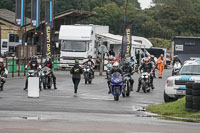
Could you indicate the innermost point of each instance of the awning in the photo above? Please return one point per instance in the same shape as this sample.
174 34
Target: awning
117 39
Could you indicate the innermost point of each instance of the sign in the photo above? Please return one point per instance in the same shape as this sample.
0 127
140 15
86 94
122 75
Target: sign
102 49
35 13
19 17
178 47
127 42
47 49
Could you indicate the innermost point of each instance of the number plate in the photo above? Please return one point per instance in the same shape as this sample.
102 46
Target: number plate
180 92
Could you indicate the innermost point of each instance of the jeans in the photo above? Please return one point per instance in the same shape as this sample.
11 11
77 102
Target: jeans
76 83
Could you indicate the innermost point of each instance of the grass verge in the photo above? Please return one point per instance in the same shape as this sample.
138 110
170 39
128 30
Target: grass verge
174 109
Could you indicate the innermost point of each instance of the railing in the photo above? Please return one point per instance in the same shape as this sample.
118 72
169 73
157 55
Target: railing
16 67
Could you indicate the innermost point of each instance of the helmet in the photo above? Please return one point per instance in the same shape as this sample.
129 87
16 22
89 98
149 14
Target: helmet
89 57
126 63
152 56
76 61
111 57
161 55
116 64
34 58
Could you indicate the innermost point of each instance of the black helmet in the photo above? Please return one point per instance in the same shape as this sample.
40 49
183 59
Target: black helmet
34 58
89 56
126 63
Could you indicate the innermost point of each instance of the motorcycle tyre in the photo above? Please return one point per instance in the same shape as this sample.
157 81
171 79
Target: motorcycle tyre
116 97
144 89
128 90
85 81
49 83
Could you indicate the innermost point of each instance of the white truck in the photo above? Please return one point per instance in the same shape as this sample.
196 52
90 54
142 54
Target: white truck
78 41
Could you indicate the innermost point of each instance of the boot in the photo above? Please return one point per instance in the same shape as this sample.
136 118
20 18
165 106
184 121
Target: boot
55 87
138 89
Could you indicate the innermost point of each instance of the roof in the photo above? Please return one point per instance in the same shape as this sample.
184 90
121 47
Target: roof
69 17
9 16
186 37
117 39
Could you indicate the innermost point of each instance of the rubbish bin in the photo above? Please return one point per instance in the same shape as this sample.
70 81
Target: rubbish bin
11 65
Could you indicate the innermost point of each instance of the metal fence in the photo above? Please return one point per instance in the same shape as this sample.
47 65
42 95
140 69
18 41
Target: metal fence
16 66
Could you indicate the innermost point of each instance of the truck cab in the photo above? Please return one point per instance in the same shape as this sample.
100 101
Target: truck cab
78 41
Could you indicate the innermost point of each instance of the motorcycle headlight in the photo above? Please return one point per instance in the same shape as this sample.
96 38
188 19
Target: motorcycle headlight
84 69
170 83
143 76
116 80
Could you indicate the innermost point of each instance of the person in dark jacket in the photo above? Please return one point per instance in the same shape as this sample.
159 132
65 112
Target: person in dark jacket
48 63
76 72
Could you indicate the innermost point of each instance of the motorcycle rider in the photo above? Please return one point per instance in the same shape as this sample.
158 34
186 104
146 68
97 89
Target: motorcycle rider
48 63
3 73
176 59
154 65
91 63
127 69
34 65
114 69
146 67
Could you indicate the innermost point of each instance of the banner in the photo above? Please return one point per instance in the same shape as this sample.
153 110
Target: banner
49 11
47 49
127 42
35 13
0 40
19 16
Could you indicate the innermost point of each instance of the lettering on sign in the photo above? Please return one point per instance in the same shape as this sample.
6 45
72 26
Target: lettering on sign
48 31
128 32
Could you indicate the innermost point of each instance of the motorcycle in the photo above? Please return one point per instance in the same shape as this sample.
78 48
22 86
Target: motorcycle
87 74
176 68
126 85
116 84
145 81
46 76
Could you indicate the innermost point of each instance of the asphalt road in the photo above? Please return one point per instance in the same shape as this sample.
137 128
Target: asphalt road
93 110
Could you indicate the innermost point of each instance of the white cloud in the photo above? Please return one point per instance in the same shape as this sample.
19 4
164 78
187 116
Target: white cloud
145 3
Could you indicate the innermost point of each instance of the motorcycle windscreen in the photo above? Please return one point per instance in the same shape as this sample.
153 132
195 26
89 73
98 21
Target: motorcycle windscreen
33 87
116 75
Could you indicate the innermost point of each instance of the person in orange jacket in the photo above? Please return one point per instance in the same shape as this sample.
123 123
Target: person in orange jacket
160 65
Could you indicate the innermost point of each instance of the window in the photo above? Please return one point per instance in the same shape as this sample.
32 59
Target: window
4 44
74 46
13 38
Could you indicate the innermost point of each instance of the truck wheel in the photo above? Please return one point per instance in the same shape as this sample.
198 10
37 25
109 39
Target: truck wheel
167 98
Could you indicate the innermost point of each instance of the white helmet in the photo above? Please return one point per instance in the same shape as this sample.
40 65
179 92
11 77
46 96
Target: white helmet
116 64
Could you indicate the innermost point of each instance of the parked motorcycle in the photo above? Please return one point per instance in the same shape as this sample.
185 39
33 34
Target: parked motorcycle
126 85
176 68
145 81
87 74
116 84
46 77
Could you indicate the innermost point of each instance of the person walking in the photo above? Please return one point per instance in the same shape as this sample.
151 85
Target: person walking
160 65
76 72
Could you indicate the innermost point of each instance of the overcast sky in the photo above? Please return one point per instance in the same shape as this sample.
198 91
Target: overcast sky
145 3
